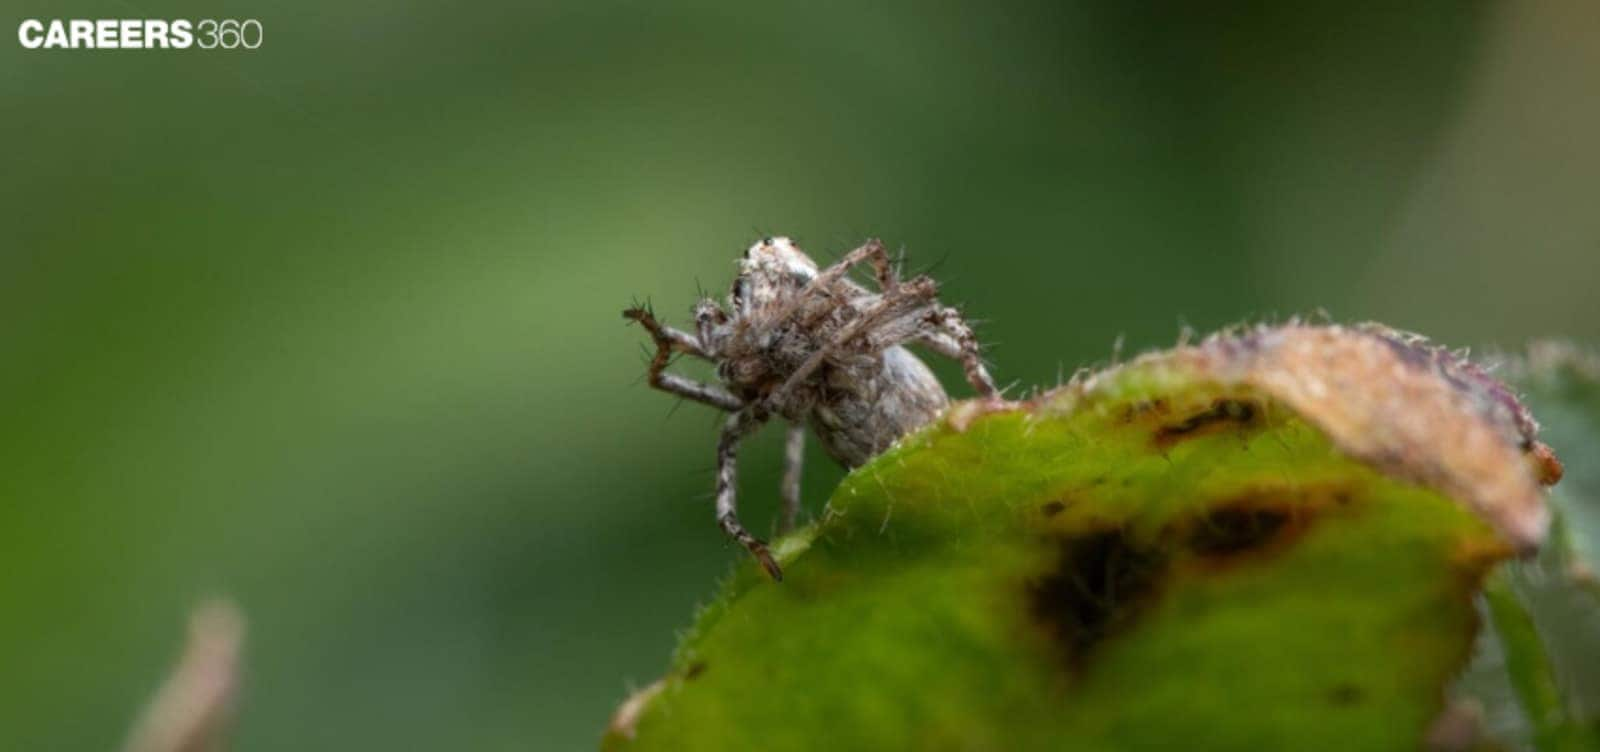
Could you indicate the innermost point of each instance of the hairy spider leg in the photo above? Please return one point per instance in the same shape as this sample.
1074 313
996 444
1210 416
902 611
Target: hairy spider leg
675 339
872 251
740 425
794 452
954 339
903 299
667 340
707 317
827 281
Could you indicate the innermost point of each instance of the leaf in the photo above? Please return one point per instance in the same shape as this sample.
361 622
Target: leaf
1269 540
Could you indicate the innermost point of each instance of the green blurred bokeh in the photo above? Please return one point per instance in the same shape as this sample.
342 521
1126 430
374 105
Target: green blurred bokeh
331 327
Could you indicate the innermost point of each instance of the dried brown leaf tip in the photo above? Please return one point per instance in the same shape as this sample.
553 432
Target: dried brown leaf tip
193 710
1411 408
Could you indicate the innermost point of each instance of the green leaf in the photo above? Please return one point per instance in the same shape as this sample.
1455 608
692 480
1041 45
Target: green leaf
1271 540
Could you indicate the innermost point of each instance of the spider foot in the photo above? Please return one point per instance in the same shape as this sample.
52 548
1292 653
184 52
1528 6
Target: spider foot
763 555
756 546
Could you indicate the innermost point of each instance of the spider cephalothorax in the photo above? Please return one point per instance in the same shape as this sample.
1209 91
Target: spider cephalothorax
811 346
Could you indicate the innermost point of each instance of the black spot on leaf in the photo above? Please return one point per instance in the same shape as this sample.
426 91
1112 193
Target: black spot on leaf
1236 529
1104 578
1222 413
1099 585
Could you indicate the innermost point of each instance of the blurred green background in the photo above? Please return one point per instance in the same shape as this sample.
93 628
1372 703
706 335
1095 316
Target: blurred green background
332 328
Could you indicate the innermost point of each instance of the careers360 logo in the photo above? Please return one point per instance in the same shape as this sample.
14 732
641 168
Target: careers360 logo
139 34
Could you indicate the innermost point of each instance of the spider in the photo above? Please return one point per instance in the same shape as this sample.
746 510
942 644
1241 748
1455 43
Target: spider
811 346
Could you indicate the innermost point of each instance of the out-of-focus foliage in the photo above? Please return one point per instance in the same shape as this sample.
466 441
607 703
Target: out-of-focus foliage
1562 384
1546 612
331 327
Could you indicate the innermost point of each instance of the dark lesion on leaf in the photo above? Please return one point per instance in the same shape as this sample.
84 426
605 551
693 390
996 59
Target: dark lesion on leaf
1262 522
1052 508
1237 528
1224 412
694 670
1102 579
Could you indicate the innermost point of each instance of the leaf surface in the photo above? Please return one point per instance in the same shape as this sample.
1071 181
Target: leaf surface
1269 540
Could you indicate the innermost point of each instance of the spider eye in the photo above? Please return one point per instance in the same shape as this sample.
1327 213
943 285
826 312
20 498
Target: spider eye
739 291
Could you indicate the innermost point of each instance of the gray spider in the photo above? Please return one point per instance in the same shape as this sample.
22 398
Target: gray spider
811 346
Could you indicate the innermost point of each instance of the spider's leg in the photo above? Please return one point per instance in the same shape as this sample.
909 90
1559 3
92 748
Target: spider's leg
672 383
903 299
870 251
707 317
673 339
794 452
831 282
706 394
949 335
739 425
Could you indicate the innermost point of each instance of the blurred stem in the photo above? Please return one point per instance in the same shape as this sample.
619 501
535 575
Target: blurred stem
193 710
1529 668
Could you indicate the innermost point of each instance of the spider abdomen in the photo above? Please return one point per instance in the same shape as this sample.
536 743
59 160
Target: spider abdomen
877 405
